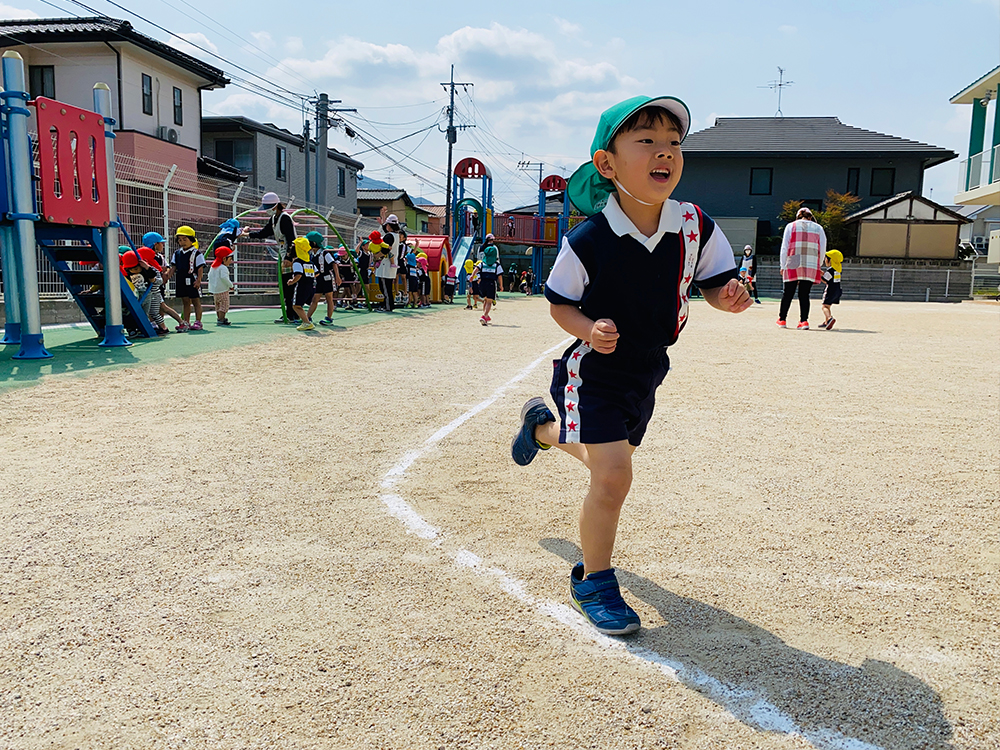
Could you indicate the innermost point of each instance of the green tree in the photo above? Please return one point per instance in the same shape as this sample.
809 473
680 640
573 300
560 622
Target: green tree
788 211
831 218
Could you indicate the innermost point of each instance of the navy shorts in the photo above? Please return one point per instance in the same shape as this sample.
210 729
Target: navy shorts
832 294
425 285
185 288
475 288
604 398
488 286
303 294
324 284
413 285
449 289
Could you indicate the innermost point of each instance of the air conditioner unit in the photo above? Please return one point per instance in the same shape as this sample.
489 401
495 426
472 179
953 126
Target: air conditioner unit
167 134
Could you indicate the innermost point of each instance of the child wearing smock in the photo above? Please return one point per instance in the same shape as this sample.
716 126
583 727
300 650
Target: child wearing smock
450 280
219 282
488 277
832 293
189 268
424 276
412 280
302 282
327 276
604 384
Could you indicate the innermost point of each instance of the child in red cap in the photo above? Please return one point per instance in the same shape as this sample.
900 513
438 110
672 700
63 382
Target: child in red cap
219 282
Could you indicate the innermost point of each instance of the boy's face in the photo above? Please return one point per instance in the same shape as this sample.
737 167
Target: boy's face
158 247
647 162
228 260
184 241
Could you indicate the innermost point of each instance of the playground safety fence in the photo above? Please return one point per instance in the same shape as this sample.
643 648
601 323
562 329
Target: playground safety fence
155 197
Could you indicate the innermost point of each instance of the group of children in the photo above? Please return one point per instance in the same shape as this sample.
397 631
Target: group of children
147 270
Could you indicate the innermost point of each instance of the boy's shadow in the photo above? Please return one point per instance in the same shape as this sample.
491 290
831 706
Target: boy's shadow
756 676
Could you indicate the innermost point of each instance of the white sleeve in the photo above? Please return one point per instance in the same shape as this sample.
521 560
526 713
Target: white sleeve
822 244
785 240
568 278
716 257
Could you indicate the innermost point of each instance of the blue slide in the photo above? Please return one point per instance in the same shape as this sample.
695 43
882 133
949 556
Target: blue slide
461 251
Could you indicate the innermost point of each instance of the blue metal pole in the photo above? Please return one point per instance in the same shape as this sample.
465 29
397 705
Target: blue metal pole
11 287
23 205
114 331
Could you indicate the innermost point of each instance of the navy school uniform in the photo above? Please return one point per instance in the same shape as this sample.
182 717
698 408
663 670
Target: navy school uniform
425 282
413 279
324 272
303 294
609 269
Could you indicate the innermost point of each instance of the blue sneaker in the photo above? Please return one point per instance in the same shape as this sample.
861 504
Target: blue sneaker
598 598
524 447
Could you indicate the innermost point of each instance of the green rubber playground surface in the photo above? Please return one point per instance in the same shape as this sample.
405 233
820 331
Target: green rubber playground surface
75 349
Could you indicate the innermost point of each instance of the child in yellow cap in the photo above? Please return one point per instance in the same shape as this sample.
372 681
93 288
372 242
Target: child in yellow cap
833 292
302 281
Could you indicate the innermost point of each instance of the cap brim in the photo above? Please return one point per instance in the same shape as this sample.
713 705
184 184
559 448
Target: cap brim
266 206
670 103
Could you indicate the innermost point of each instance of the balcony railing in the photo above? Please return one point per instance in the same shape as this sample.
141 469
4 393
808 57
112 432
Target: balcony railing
979 169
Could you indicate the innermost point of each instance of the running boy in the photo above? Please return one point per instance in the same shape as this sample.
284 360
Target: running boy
301 282
833 292
604 384
488 277
327 276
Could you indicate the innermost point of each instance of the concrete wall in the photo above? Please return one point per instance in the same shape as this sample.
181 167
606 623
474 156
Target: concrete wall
721 185
900 240
739 231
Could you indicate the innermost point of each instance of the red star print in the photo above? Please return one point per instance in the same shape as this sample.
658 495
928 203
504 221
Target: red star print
569 406
586 343
687 279
572 374
688 216
683 318
576 355
692 236
569 388
572 426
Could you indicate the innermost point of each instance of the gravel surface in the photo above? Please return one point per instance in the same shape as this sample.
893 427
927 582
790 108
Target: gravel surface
197 554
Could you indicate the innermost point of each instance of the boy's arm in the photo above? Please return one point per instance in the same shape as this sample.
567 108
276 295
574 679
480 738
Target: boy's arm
733 297
602 334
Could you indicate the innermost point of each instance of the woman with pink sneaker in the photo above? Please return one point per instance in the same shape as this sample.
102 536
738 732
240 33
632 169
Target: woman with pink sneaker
803 247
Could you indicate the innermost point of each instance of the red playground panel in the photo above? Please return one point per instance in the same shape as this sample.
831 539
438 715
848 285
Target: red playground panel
73 163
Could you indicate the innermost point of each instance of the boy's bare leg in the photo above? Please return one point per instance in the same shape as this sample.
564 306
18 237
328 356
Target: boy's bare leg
329 305
487 304
827 313
610 481
187 310
197 308
313 305
548 434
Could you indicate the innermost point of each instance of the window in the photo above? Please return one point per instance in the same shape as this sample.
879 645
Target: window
178 107
760 181
147 94
883 181
235 153
341 181
853 178
280 163
42 81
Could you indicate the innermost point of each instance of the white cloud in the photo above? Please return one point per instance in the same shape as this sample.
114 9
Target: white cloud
567 27
263 39
294 45
193 43
788 29
11 13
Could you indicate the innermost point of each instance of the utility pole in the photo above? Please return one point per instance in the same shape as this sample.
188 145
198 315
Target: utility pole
452 137
305 148
537 255
323 111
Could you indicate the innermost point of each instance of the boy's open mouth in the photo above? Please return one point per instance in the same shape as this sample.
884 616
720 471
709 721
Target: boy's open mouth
660 175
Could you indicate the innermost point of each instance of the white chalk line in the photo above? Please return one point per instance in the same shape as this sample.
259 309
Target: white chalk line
743 704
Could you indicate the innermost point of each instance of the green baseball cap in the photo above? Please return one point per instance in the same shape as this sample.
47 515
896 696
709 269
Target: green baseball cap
315 238
588 190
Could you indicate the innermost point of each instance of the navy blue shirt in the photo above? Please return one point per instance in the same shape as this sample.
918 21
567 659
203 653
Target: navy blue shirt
608 269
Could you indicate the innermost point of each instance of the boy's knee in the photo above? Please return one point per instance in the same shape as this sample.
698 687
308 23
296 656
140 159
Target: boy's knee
612 482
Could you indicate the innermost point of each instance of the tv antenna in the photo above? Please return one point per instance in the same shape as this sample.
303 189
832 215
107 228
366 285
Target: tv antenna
778 85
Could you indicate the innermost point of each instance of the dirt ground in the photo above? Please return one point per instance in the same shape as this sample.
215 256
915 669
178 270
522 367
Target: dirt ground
209 553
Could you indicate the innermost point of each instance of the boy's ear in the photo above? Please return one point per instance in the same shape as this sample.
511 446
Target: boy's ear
603 164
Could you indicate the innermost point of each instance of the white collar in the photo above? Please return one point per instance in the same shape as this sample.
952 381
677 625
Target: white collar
670 221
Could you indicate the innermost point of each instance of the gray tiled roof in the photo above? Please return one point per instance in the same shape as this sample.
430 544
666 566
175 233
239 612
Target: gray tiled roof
100 29
380 195
803 136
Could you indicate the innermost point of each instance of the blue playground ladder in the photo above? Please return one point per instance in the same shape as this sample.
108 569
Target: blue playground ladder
79 282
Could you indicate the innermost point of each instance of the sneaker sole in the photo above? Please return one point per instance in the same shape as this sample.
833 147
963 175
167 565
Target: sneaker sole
627 630
530 404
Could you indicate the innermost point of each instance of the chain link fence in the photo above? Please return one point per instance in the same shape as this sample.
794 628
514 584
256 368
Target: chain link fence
155 197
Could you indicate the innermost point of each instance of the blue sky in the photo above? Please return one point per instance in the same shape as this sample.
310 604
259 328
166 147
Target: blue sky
541 80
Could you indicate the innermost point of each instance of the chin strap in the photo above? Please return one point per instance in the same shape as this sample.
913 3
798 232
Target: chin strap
619 186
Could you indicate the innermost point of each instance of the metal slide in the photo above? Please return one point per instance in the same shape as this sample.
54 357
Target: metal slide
461 251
